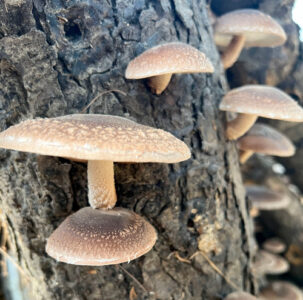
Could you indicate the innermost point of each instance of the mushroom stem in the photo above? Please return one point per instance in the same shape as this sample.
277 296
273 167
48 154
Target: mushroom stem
159 83
233 50
245 155
101 184
240 125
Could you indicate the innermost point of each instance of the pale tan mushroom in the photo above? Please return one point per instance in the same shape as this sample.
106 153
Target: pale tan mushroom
245 28
264 199
251 101
274 245
100 140
160 62
268 263
264 139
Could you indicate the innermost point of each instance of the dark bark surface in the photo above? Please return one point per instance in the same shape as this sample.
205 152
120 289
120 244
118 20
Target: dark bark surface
56 56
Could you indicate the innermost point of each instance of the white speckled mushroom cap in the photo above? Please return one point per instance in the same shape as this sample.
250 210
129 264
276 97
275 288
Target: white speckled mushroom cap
167 59
240 295
265 199
281 290
264 101
259 29
95 137
265 139
101 237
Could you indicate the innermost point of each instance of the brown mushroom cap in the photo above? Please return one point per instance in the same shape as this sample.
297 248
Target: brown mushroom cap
259 29
240 296
264 101
95 137
101 237
99 139
265 199
281 290
167 59
268 263
274 245
265 139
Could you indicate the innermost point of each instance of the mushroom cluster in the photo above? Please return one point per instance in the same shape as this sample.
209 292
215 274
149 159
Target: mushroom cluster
234 31
98 235
103 234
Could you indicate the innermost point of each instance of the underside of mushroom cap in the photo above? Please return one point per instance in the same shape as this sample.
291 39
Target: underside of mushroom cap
167 59
265 139
101 237
95 137
264 101
259 29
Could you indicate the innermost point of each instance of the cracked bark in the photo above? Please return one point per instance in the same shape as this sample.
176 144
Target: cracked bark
54 59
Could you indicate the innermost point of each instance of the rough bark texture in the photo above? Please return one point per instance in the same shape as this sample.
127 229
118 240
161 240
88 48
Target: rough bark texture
56 56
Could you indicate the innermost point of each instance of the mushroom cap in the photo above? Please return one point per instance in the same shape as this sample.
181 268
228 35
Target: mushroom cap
240 296
268 263
265 139
264 101
101 237
274 245
167 59
265 199
95 137
281 290
259 29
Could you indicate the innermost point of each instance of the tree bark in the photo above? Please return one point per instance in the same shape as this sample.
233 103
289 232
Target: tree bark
55 57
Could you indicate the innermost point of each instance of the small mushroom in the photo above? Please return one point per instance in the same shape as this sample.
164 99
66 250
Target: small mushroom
240 296
264 199
281 290
251 101
160 62
264 139
274 245
98 139
268 263
101 237
245 28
